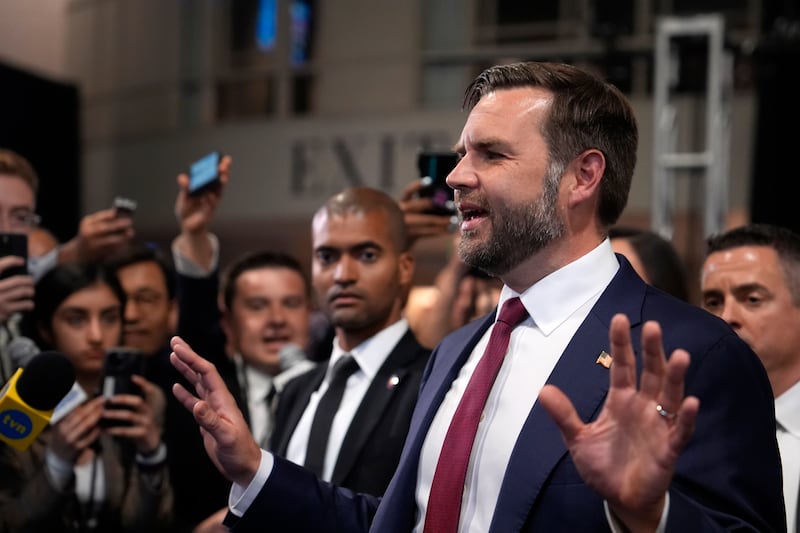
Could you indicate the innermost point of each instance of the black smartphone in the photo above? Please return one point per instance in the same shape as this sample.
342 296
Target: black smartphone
120 364
434 167
204 173
125 207
14 244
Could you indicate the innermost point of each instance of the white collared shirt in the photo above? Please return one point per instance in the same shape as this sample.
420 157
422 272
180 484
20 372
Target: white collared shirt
256 385
557 305
370 356
787 413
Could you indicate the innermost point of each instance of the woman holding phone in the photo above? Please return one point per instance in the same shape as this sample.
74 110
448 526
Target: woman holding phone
82 474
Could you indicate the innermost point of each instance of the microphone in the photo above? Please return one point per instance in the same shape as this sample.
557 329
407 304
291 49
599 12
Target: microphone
21 350
293 363
28 399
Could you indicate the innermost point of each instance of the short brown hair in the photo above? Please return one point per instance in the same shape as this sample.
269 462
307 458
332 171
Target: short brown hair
13 164
587 112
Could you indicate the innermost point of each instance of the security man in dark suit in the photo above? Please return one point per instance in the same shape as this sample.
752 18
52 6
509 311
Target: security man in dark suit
349 426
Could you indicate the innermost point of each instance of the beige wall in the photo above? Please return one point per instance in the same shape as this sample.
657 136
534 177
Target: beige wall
133 60
33 36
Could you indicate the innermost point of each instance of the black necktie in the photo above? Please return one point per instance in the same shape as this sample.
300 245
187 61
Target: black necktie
269 422
323 418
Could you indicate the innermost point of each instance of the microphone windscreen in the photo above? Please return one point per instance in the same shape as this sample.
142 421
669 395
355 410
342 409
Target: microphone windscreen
46 379
290 355
21 350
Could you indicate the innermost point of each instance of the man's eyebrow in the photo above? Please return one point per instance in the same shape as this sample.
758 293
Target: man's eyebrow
356 246
711 292
750 287
484 144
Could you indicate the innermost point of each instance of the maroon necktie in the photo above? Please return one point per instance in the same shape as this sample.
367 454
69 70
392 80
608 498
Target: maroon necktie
444 502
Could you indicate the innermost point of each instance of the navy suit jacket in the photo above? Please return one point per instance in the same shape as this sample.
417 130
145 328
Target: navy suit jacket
728 476
371 448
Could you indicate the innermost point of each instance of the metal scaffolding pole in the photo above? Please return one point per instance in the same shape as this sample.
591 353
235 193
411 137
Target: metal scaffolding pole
714 159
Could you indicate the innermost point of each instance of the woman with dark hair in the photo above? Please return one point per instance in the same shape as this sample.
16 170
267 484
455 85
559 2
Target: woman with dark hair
653 257
98 469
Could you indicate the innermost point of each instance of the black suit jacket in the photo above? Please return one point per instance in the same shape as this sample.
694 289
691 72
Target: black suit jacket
374 440
200 489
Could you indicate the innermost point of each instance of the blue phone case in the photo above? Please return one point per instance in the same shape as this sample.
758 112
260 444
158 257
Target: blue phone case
204 173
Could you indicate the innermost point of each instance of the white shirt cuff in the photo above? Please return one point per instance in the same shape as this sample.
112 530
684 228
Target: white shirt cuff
186 267
59 471
616 527
241 497
155 458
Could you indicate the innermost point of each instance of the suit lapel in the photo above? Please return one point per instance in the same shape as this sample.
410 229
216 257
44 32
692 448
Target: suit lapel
298 406
524 477
373 405
584 382
397 509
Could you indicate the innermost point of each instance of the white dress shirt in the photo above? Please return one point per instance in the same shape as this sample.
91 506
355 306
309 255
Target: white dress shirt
256 386
557 305
370 356
787 413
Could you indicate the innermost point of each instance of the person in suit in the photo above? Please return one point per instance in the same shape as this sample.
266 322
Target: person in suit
614 404
750 279
362 272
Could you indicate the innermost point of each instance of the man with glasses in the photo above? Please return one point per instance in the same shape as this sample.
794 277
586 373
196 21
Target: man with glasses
18 186
99 233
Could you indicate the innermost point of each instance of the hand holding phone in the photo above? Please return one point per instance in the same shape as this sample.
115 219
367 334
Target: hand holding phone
434 167
120 364
14 244
204 173
124 207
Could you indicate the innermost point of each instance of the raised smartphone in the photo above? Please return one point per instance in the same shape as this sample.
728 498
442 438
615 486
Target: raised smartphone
120 364
204 173
434 167
14 244
125 207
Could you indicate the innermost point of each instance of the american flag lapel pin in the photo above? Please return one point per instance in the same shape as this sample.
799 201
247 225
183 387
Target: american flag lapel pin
604 359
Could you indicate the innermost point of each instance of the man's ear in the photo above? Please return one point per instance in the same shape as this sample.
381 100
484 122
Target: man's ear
588 168
406 265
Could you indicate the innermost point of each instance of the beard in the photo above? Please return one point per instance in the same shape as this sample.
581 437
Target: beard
518 231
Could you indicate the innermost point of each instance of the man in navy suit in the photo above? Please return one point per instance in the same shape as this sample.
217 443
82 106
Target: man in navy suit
589 425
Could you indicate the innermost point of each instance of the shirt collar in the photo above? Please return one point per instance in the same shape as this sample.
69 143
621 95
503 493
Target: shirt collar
371 354
259 384
786 410
551 300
